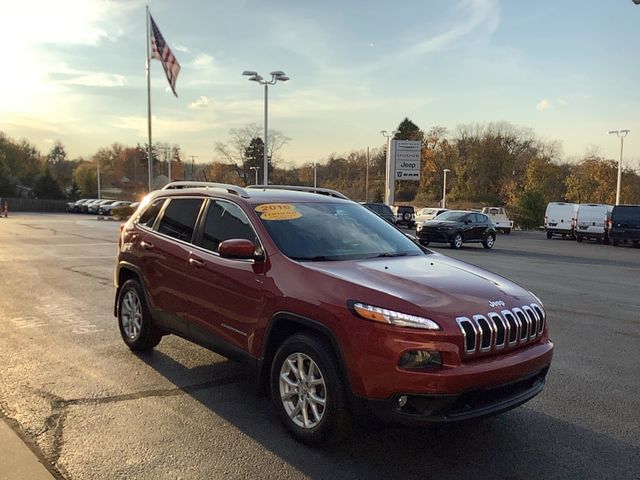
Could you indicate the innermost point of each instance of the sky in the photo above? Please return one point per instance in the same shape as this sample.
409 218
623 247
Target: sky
74 71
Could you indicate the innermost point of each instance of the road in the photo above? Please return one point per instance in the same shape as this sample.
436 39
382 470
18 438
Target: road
92 409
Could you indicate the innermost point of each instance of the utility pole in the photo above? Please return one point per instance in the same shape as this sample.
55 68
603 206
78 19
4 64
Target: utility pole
193 158
366 178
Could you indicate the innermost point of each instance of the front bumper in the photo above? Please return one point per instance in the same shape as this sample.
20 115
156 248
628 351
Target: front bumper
421 409
428 235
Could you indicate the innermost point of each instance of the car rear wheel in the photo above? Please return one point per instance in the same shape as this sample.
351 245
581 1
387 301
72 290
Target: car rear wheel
308 391
549 235
134 318
489 241
507 231
457 241
614 242
579 238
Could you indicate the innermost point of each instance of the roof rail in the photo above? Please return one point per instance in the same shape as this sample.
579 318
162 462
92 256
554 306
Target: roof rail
241 192
299 188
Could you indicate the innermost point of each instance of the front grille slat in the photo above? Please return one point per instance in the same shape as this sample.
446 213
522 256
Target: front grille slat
508 329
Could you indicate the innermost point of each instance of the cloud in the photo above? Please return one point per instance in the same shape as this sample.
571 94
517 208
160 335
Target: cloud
543 105
181 48
562 102
98 79
163 127
483 17
200 102
203 60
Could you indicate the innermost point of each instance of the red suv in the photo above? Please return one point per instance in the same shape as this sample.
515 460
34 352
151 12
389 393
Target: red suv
339 312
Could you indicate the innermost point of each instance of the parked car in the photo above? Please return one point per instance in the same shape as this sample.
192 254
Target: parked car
425 214
405 215
335 320
499 217
591 221
93 208
84 208
75 207
625 225
381 209
456 227
106 209
560 219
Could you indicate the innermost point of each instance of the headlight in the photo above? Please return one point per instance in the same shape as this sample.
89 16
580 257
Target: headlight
390 317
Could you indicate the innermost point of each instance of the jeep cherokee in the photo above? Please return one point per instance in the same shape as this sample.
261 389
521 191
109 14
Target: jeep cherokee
337 321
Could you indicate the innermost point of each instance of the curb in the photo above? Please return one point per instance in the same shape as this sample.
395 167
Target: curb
19 459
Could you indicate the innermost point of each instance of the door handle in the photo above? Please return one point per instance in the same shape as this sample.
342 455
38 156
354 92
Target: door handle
146 245
196 262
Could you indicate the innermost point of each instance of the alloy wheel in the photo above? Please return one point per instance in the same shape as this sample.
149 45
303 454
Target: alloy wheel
131 314
303 391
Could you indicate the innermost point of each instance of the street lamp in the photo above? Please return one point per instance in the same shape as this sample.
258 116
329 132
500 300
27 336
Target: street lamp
98 174
276 76
444 188
621 134
315 176
389 192
256 169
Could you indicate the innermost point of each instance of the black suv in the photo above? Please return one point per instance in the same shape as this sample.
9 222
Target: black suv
625 224
381 209
456 227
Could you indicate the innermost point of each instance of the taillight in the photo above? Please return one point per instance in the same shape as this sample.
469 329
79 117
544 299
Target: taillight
121 235
545 219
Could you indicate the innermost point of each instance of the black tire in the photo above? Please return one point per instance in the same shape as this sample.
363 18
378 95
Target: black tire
148 335
579 238
489 241
636 244
507 231
549 235
615 242
456 241
335 419
406 216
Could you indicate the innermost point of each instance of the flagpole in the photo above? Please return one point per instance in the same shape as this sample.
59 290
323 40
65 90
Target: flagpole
149 157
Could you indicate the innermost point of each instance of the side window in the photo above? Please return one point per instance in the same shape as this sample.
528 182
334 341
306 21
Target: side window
224 221
149 215
179 218
473 217
482 219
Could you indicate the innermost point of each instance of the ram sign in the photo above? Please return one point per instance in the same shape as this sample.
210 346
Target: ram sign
406 157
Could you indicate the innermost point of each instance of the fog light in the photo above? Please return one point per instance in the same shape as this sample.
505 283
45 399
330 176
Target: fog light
402 401
420 359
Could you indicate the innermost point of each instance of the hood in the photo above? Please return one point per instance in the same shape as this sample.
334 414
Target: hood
435 283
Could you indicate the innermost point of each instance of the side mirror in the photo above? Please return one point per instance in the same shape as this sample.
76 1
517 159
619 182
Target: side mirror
239 248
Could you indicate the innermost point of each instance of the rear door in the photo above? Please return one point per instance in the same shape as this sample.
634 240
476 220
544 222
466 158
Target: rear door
168 265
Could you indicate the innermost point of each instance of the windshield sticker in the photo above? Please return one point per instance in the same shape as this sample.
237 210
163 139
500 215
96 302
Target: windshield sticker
278 211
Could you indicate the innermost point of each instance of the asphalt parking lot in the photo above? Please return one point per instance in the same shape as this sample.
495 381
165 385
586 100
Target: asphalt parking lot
92 409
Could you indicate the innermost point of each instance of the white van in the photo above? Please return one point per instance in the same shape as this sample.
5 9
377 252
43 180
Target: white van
591 221
560 219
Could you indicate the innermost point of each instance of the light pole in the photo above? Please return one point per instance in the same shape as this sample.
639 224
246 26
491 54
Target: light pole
315 174
256 170
98 174
621 134
444 188
276 76
390 189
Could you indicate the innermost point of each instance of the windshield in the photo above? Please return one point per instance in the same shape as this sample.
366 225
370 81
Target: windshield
626 214
333 231
452 216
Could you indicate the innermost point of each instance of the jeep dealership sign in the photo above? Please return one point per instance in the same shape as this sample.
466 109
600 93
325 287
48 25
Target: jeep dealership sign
406 158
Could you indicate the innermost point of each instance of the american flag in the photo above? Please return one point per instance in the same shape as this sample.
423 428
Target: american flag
161 51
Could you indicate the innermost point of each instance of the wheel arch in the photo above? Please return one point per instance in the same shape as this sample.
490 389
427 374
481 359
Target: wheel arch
285 324
126 271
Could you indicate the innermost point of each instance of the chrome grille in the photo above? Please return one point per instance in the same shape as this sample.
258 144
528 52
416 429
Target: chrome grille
496 331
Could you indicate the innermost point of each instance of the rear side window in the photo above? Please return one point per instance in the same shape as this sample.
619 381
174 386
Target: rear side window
148 217
626 214
179 218
224 221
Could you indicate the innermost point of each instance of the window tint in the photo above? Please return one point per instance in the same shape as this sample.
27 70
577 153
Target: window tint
482 218
626 214
179 218
148 217
224 221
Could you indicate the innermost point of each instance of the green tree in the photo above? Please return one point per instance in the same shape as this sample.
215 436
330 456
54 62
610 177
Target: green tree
47 187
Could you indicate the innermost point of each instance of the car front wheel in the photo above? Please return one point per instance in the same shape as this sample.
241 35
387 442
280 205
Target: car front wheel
489 241
134 318
457 241
308 391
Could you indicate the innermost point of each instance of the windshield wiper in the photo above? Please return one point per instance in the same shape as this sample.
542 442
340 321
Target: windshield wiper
391 254
317 258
